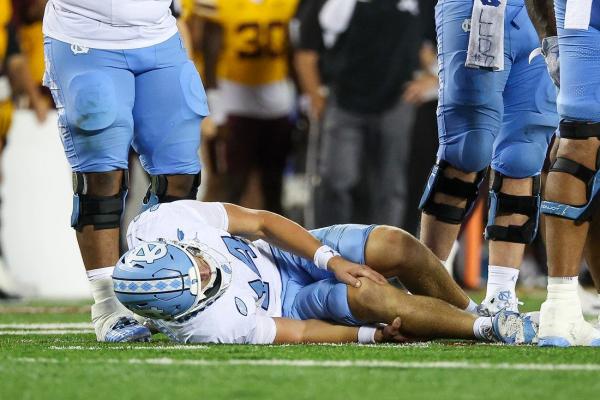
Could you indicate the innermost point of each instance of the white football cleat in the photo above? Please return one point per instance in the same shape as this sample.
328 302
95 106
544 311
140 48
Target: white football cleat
562 325
501 300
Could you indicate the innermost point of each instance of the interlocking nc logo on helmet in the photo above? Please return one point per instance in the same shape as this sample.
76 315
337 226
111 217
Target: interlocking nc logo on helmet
493 3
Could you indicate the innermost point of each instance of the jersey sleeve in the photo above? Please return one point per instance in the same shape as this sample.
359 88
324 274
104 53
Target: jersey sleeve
176 221
254 329
264 332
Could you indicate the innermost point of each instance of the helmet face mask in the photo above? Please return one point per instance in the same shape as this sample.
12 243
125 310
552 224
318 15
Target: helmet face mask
162 279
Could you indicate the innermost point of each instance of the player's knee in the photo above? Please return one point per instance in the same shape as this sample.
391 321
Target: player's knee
367 294
473 153
98 199
521 160
396 243
94 103
168 188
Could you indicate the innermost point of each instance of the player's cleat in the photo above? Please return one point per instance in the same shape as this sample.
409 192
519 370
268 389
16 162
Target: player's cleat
562 325
115 323
127 329
514 328
501 300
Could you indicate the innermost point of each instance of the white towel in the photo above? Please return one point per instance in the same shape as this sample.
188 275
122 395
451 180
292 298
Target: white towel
578 14
486 40
334 19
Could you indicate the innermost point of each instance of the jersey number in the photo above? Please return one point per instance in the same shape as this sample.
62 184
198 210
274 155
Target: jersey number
263 40
240 250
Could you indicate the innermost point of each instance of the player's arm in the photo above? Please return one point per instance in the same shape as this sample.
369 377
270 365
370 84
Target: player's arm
542 16
288 235
541 13
290 331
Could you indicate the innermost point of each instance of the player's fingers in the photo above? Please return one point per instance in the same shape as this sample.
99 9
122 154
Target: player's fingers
373 275
348 279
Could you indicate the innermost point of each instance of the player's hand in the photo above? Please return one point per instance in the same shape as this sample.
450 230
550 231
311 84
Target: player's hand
348 272
391 333
317 106
40 107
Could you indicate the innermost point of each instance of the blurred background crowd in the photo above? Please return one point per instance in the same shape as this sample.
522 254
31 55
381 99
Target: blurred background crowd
322 110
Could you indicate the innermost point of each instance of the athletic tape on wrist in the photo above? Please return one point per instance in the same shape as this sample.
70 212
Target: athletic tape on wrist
323 255
366 334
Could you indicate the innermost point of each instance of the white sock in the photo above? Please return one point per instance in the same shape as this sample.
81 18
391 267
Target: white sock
501 279
482 328
101 283
563 288
472 307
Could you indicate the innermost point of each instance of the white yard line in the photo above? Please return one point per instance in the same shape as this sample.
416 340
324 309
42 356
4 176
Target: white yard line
63 325
131 347
328 364
46 332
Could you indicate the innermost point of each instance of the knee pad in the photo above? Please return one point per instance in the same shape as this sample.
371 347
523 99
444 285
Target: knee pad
102 212
521 159
472 152
577 130
157 191
439 183
506 204
94 101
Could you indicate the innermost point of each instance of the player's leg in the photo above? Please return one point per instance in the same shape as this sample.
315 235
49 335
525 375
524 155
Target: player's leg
274 147
94 104
469 117
341 158
170 104
309 292
530 120
241 143
394 253
572 183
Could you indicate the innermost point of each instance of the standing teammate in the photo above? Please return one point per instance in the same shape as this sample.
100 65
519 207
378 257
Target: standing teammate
120 76
572 187
246 62
287 286
500 111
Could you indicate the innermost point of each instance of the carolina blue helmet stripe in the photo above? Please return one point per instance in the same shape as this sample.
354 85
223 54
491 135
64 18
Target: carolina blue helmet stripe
151 285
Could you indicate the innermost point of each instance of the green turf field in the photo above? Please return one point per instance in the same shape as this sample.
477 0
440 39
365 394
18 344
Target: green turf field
48 351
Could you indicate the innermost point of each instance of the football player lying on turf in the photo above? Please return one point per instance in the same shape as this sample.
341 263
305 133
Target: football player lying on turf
194 272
